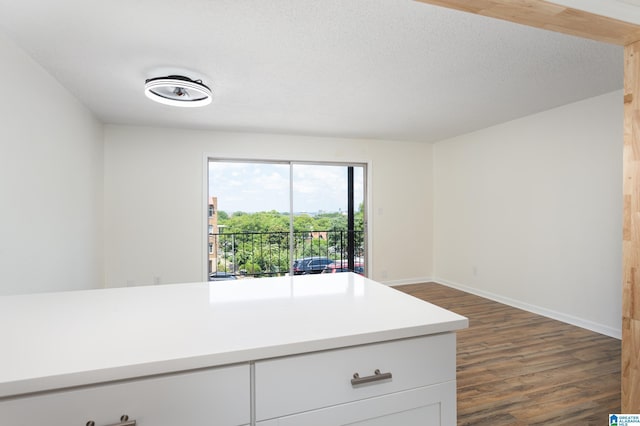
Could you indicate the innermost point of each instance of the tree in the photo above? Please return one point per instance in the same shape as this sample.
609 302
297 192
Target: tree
259 242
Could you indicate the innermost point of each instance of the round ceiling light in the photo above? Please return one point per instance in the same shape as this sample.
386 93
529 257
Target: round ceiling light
176 90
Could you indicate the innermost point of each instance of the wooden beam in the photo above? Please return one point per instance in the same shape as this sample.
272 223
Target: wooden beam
631 233
549 16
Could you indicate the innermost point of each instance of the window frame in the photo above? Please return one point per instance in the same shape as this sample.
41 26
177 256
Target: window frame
367 173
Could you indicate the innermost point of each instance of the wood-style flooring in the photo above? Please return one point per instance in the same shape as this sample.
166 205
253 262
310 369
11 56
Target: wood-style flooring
519 368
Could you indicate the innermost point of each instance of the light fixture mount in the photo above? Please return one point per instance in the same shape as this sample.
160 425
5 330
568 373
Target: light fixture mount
177 90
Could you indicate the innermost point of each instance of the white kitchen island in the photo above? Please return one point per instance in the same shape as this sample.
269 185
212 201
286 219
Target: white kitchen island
328 349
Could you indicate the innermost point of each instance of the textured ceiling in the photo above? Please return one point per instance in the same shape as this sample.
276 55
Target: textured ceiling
384 69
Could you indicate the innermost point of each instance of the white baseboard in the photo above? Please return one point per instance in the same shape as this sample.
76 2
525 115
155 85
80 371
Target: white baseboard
408 281
569 319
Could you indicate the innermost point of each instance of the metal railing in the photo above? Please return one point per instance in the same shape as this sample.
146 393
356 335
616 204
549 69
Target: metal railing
261 254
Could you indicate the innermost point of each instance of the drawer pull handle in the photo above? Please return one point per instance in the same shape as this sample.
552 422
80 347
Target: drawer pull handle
377 375
124 421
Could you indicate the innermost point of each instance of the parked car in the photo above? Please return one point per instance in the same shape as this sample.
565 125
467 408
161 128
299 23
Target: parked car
343 266
222 276
297 265
310 265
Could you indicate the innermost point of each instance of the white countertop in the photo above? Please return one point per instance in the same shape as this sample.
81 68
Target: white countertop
57 340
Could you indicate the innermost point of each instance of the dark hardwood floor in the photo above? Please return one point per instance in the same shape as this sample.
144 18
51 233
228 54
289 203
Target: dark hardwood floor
519 368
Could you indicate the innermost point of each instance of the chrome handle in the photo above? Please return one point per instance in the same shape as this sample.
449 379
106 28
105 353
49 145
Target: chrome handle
124 421
377 375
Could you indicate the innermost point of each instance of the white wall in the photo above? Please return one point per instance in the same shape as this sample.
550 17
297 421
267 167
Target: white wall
155 195
530 212
50 182
527 212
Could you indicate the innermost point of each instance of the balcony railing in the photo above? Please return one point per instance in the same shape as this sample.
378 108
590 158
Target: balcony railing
260 254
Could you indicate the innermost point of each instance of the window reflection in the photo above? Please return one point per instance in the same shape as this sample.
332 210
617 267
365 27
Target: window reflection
344 284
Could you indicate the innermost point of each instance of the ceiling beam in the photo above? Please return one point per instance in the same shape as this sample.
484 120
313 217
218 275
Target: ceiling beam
549 16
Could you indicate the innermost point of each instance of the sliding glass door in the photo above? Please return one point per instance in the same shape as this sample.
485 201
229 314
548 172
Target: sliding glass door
277 218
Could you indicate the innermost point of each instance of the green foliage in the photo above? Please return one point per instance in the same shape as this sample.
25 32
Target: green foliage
307 247
274 221
255 222
304 223
251 268
259 242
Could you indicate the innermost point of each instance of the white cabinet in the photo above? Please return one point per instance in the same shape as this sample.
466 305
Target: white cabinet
216 396
254 352
408 382
317 388
425 406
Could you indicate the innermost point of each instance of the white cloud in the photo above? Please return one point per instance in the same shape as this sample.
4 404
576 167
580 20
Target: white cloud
262 186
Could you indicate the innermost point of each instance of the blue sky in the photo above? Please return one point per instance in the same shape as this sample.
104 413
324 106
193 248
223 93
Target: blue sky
252 187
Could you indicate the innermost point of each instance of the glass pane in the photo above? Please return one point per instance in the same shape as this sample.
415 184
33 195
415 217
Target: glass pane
320 218
250 221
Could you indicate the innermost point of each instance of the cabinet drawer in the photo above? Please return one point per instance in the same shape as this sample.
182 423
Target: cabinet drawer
311 381
426 406
217 396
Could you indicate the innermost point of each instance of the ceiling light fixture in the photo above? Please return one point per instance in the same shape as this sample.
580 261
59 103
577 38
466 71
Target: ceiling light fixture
176 90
